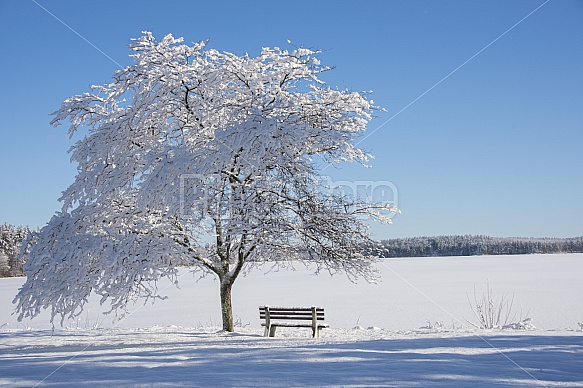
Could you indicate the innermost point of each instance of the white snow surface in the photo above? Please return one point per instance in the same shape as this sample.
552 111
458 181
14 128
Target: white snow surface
409 330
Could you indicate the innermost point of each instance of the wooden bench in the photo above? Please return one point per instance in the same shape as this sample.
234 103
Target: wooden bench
292 317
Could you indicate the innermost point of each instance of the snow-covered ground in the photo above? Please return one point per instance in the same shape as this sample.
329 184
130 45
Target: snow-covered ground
408 330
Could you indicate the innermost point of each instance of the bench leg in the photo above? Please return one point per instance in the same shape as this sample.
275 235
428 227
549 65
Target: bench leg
266 331
316 332
272 331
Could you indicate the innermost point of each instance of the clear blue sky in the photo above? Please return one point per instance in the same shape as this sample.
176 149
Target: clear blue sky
494 148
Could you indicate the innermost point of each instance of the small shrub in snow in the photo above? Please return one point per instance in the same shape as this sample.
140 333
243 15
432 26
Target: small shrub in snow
493 313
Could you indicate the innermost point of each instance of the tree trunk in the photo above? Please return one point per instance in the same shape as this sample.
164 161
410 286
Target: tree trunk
226 306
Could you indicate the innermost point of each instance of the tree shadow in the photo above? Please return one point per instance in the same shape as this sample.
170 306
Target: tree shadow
188 358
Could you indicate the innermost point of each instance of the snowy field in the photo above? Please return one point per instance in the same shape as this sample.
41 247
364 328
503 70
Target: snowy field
409 330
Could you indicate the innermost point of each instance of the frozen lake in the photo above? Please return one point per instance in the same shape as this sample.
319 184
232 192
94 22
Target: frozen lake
412 291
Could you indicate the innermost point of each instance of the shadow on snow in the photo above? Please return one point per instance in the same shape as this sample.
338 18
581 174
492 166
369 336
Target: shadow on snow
183 358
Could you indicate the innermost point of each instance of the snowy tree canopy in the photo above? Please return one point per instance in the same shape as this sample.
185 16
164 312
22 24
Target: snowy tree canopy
202 158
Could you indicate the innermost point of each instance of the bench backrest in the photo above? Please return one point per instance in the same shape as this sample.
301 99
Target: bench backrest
291 313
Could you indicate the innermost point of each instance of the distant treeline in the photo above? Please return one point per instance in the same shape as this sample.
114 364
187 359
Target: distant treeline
11 238
473 246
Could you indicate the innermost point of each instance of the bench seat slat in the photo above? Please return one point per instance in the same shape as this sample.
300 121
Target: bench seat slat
285 317
292 318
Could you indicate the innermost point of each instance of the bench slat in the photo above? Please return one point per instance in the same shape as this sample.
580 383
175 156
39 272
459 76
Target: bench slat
271 308
287 324
278 317
292 312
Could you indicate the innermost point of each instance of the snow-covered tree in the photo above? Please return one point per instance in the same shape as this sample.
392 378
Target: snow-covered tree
11 238
4 265
201 158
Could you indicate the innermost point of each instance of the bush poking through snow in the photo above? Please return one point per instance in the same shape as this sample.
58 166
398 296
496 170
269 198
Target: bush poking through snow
493 313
